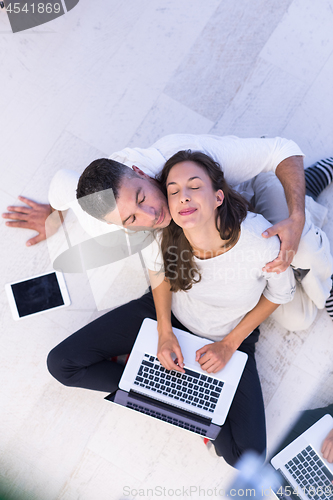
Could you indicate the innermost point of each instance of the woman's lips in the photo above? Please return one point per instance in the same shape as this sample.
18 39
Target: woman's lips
187 211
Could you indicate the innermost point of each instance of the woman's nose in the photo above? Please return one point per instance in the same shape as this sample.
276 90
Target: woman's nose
184 196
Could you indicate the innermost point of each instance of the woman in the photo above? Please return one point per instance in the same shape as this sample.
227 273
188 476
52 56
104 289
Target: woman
213 255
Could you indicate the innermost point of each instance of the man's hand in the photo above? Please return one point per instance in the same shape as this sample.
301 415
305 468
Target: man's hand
214 357
289 231
327 447
167 345
31 217
290 172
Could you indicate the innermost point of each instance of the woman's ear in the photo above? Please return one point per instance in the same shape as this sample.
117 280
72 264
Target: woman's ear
219 197
138 171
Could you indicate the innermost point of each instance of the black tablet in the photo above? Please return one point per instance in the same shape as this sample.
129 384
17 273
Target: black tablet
37 294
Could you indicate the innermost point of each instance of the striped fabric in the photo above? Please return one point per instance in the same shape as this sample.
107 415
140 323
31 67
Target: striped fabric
318 177
329 302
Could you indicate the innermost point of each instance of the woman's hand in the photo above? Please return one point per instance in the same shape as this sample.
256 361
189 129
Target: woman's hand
167 345
167 340
214 357
327 447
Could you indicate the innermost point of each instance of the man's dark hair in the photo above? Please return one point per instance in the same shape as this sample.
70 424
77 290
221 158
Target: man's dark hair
101 178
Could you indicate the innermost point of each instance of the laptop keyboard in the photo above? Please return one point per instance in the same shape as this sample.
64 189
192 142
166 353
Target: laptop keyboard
311 474
167 418
196 389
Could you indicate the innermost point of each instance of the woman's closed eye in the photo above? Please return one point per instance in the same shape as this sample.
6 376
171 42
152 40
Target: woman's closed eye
175 192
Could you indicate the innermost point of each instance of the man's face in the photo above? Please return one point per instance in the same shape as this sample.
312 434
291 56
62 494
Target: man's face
140 205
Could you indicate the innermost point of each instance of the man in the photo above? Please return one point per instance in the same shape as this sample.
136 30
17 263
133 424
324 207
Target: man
140 203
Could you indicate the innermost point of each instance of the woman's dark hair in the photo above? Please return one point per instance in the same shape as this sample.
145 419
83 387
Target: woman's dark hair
102 179
183 273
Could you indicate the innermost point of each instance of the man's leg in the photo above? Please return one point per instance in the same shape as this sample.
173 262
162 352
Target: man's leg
329 301
244 428
299 314
318 177
269 198
83 359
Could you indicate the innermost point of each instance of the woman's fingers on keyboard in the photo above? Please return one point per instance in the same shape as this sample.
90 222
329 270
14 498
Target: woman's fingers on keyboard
164 354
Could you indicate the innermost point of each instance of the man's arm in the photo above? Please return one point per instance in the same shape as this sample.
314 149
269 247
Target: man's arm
291 175
33 216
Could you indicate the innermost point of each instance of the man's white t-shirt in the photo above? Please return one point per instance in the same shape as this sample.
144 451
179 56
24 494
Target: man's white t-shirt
231 284
240 160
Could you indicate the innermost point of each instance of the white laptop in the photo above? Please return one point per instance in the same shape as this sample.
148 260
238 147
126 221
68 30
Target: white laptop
196 401
306 473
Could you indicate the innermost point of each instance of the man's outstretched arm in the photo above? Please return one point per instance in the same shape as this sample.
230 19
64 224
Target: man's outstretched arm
291 175
33 216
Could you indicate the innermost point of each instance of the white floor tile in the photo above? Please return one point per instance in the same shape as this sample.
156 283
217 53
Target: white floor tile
264 105
285 346
168 116
303 40
311 123
313 354
223 55
138 72
293 396
38 456
33 136
26 344
95 477
68 152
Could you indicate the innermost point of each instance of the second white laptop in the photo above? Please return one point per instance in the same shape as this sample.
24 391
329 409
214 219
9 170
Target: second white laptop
301 464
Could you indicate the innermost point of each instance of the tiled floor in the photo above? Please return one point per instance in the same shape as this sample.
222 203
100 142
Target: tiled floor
117 73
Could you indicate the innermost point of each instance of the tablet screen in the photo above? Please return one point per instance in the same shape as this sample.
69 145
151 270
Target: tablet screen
37 294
